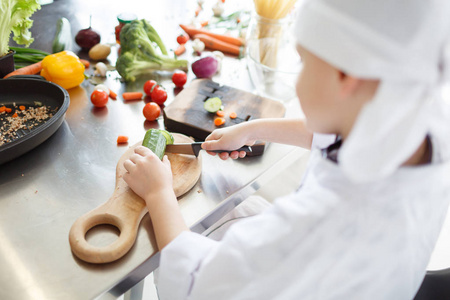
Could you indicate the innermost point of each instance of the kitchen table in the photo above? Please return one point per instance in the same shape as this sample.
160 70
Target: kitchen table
44 191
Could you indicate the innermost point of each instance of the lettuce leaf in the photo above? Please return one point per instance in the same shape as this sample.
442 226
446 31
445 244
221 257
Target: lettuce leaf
15 17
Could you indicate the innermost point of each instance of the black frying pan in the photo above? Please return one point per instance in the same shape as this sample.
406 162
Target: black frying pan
31 91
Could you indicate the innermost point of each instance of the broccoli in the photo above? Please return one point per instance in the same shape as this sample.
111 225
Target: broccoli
142 50
132 63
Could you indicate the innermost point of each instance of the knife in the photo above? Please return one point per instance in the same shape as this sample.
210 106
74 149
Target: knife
194 149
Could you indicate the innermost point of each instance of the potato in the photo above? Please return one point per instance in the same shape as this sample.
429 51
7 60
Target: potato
99 52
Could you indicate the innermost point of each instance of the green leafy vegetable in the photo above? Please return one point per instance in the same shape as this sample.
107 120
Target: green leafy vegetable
15 17
142 50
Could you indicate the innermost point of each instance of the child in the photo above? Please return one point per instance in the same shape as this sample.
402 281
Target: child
365 220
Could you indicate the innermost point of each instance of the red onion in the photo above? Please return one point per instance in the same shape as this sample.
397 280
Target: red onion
205 67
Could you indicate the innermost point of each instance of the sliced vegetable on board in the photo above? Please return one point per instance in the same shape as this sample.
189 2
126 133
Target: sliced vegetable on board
213 104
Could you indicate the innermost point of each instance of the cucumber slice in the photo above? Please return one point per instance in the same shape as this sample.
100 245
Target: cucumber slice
212 105
156 141
169 137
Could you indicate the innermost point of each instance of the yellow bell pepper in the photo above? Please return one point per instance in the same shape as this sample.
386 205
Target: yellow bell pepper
63 68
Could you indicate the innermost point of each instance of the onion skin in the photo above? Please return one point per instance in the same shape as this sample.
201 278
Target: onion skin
87 38
205 67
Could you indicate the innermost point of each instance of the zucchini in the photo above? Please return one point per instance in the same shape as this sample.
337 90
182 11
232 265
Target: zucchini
212 105
63 36
156 141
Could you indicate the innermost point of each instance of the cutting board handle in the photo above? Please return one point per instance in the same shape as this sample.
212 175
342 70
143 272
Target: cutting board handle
117 213
125 209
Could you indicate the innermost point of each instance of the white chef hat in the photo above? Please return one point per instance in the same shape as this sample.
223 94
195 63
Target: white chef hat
400 42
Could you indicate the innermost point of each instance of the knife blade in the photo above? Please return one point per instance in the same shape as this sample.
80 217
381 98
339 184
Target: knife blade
194 148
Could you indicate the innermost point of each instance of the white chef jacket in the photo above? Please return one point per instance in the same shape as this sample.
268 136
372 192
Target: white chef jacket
331 239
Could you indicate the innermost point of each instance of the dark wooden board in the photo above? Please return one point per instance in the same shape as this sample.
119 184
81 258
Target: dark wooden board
187 115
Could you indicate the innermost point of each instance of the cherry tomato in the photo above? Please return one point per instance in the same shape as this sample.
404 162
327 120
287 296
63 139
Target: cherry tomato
179 78
182 39
159 95
99 98
148 86
151 111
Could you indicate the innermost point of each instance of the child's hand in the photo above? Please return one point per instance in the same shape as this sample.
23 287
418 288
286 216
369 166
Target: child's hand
146 173
229 138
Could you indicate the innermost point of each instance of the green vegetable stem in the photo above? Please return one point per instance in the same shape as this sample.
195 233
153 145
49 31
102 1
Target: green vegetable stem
142 50
15 18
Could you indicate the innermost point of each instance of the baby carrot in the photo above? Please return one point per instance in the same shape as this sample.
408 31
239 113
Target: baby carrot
180 50
233 115
222 37
220 113
28 70
122 139
112 94
216 44
85 62
128 96
219 121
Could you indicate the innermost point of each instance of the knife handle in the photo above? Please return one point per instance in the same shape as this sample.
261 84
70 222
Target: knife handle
255 150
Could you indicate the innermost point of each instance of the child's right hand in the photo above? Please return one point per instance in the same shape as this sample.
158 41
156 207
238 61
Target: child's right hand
229 138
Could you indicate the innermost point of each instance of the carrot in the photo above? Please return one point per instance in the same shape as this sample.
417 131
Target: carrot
14 115
216 44
22 107
233 115
204 23
220 113
219 121
28 70
180 50
122 139
198 10
128 96
112 94
85 62
8 110
223 37
2 109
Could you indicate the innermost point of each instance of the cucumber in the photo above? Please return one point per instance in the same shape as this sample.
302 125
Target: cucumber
63 36
156 141
168 136
213 105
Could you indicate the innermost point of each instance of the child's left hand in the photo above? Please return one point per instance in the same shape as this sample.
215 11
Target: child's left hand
147 174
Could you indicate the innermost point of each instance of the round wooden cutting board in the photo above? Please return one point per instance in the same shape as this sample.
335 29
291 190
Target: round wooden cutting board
125 209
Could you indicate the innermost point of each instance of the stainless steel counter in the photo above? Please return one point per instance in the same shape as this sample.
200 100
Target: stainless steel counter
44 191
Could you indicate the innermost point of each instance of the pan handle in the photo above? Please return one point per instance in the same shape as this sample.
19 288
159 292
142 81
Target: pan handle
127 221
39 77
